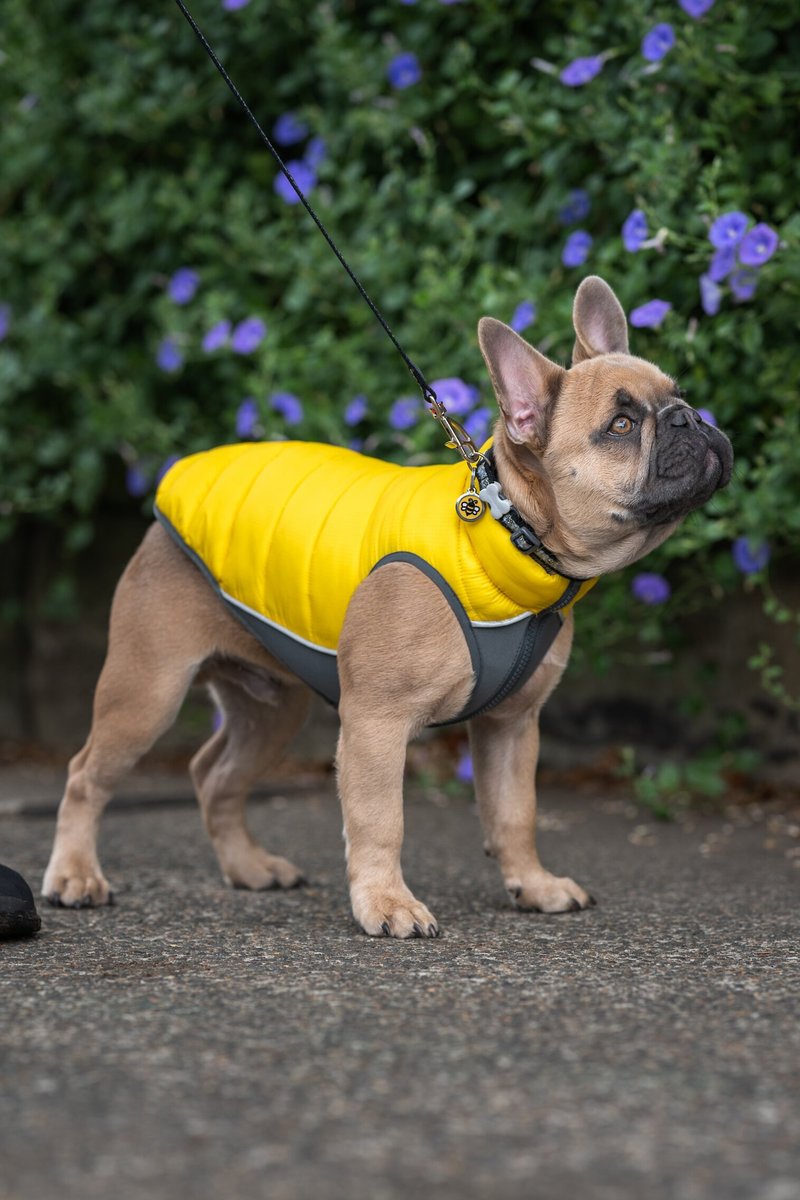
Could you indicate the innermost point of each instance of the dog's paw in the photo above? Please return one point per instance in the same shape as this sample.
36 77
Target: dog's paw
392 914
77 886
542 892
259 871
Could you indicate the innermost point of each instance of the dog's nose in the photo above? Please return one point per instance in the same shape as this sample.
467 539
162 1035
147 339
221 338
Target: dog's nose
686 416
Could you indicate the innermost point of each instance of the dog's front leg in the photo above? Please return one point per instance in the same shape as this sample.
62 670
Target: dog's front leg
370 760
403 664
505 750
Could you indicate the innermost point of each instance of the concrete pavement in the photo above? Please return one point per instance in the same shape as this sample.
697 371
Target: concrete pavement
198 1041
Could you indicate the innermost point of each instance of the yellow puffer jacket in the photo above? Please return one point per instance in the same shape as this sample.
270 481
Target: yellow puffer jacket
286 531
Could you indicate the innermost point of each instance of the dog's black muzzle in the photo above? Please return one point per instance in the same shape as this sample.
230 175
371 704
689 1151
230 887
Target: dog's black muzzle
690 460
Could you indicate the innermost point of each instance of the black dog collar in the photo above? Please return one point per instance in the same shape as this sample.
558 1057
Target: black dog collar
501 508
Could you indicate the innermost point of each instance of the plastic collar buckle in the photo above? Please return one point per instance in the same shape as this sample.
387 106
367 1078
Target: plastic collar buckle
526 540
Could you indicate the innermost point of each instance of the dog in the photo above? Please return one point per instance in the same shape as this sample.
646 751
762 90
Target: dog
598 463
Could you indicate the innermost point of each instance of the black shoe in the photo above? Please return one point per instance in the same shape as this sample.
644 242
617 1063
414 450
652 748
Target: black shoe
18 915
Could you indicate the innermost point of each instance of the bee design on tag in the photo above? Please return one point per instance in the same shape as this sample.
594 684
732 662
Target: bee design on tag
470 507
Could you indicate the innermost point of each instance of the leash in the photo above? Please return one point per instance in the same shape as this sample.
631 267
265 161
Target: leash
472 504
457 437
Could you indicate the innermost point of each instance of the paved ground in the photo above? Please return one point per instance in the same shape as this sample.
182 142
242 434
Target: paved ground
194 1041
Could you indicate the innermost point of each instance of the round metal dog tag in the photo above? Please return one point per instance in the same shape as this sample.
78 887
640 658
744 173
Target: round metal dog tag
470 507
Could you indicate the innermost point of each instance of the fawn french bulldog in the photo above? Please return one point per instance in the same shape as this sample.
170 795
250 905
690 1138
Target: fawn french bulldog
276 567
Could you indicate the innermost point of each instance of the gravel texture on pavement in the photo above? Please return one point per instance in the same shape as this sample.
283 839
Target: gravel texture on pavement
197 1041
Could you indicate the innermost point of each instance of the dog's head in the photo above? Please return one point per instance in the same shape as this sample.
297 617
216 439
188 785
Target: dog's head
604 459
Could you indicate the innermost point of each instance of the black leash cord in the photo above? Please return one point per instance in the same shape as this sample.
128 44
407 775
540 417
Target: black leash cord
426 389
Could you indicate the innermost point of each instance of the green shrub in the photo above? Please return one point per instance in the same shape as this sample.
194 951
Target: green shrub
125 159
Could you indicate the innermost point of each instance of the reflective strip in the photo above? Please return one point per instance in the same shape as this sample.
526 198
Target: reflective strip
495 624
274 624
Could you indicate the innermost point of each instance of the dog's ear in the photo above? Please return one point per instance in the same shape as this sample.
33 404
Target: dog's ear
525 382
599 321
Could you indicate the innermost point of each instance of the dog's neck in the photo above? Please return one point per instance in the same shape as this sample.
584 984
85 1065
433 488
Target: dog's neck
526 485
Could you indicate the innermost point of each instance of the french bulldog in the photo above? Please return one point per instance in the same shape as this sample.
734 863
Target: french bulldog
602 461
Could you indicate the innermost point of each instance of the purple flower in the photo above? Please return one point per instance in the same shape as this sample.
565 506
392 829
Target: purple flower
707 416
289 129
303 175
217 719
696 8
758 245
217 336
524 315
478 424
650 588
183 285
246 418
581 70
165 466
232 5
651 314
404 70
403 413
750 556
457 397
316 150
5 320
722 263
743 284
576 248
577 207
247 335
137 480
710 295
658 42
168 356
288 406
356 410
728 229
634 231
356 444
464 766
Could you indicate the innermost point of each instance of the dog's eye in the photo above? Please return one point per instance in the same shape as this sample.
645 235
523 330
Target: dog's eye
621 425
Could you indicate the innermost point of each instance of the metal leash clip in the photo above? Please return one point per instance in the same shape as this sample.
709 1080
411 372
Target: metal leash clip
469 505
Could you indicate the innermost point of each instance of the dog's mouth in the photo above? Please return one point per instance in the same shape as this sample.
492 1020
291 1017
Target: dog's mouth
686 474
671 500
719 465
713 469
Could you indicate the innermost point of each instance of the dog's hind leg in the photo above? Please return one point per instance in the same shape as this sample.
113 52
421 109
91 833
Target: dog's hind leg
154 652
130 713
260 718
74 877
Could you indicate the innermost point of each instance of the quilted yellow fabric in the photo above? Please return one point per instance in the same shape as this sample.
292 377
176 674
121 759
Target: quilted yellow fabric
290 529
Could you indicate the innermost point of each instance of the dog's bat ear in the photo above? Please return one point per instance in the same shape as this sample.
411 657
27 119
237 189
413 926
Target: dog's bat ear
525 382
599 321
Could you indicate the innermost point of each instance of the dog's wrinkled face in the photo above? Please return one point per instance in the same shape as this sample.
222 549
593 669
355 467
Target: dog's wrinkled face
622 436
605 458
